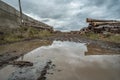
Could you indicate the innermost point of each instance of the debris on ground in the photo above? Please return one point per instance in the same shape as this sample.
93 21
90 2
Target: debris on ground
44 71
21 63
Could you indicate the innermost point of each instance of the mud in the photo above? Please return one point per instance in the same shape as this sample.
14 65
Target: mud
97 50
21 63
11 52
44 71
78 38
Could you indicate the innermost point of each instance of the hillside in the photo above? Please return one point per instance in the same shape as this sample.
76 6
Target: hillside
12 30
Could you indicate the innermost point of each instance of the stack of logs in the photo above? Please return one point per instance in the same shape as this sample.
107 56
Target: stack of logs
101 26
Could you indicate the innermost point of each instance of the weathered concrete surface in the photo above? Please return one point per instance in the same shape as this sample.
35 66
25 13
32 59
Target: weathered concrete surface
10 17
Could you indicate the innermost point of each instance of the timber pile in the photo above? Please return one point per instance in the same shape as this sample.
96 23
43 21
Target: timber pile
101 26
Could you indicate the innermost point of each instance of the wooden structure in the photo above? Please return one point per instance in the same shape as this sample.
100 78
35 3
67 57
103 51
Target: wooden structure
100 26
95 22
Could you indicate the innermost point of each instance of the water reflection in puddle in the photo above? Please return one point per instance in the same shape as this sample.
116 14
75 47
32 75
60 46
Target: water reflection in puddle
71 64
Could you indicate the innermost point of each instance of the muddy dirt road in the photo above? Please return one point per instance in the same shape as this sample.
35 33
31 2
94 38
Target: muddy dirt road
67 60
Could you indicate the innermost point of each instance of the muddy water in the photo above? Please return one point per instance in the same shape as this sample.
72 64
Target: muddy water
13 51
70 63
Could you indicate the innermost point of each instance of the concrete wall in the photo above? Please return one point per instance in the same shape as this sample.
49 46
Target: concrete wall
10 17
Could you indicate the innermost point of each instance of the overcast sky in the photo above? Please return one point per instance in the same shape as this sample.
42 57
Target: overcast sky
69 14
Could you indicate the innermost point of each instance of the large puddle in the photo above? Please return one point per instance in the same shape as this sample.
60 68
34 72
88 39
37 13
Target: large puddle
70 63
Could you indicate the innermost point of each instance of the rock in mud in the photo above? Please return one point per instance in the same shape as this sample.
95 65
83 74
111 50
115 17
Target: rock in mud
21 63
44 71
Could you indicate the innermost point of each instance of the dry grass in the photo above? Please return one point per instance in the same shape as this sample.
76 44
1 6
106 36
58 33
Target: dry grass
105 37
22 33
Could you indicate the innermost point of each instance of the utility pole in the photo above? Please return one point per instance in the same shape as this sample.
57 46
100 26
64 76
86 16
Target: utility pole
21 17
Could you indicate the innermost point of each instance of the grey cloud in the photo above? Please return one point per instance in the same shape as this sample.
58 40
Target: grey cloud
69 14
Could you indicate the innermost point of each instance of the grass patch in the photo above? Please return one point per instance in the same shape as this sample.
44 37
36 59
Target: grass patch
105 37
22 33
44 33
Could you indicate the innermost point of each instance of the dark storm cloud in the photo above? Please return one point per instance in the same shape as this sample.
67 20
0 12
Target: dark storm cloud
69 14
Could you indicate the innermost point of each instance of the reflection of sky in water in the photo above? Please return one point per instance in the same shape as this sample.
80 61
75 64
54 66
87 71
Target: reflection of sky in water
58 47
69 56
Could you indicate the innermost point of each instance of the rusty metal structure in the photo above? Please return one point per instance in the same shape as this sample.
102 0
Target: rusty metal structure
100 26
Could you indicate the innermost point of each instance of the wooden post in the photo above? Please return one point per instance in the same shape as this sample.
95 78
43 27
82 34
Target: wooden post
21 17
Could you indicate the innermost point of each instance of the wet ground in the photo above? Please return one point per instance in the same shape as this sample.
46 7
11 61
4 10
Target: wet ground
13 51
65 60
